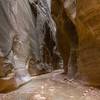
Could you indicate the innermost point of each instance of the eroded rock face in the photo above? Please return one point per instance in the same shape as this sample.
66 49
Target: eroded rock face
88 24
86 20
45 31
66 33
26 28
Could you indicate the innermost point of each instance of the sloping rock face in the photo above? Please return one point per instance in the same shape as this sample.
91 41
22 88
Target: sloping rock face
48 57
67 37
27 39
88 24
85 17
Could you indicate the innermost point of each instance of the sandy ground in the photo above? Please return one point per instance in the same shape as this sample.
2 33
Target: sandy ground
53 86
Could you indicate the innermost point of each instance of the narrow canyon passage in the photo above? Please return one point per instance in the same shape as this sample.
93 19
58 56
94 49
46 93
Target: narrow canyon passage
49 50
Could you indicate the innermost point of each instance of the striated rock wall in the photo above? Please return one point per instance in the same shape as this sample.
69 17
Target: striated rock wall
88 25
27 41
85 17
67 38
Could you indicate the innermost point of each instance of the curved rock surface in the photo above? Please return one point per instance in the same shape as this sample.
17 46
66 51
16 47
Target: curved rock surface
88 25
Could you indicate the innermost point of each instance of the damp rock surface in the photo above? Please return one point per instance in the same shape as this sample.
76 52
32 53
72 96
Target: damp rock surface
53 86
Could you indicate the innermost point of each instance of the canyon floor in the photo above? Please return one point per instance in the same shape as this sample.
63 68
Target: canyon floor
52 86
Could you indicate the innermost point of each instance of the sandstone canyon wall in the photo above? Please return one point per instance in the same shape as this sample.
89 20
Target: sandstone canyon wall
84 16
64 13
27 40
88 25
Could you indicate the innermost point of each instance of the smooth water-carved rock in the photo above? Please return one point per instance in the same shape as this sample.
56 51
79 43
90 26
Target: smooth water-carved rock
85 17
88 25
67 37
24 26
